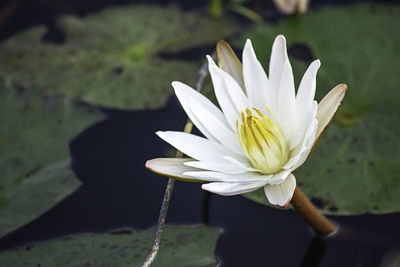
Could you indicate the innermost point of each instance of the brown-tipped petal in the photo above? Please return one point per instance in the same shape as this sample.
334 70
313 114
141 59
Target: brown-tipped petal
328 107
229 62
173 168
326 110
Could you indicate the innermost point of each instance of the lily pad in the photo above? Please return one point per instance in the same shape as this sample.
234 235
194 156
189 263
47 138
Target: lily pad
120 57
355 168
34 135
180 246
37 194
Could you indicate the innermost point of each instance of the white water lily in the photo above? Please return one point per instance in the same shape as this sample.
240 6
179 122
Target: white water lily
262 133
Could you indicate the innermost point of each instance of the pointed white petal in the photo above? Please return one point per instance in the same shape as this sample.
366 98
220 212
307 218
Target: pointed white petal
309 146
243 163
225 102
229 189
328 106
230 96
304 123
281 194
279 177
255 79
171 167
306 93
196 147
281 81
277 60
325 113
220 131
186 98
186 90
229 178
228 168
286 93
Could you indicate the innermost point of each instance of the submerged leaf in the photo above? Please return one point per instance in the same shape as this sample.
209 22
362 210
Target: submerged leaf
356 166
180 246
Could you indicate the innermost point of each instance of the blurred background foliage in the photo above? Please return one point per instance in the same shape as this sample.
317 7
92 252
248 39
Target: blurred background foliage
59 75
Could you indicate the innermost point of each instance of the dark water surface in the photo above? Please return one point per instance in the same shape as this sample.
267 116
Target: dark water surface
118 191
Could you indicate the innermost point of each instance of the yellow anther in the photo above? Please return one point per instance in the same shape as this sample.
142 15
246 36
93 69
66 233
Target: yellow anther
263 141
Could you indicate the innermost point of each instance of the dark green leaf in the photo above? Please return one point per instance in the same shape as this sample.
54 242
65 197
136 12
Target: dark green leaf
122 57
34 133
180 246
37 194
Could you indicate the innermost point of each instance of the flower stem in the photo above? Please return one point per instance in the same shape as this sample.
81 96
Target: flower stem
320 224
171 182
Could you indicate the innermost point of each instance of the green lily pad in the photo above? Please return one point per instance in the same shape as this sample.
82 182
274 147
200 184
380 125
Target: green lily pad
355 168
34 135
180 246
34 196
120 57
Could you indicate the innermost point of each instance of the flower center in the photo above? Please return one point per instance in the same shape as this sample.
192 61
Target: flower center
263 141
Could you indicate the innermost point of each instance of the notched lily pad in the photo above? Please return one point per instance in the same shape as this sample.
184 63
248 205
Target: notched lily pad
180 246
355 167
113 58
34 135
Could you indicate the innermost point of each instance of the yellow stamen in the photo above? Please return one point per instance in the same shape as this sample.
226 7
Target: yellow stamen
262 140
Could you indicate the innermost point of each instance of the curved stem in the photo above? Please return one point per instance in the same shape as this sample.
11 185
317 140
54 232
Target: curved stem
320 224
171 182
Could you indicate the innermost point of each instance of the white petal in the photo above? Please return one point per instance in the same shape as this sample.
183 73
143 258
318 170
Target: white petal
187 96
306 93
229 189
304 123
229 178
279 177
277 60
228 168
243 163
255 79
220 131
196 147
286 99
328 106
309 146
230 96
171 167
281 194
281 81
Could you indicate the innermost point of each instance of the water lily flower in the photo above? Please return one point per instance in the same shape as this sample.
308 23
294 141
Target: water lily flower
262 132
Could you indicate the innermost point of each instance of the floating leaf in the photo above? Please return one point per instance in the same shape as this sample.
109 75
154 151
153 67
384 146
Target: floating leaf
180 246
37 194
120 57
34 134
356 166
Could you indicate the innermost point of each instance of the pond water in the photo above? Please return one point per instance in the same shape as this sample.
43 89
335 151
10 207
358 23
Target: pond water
117 191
